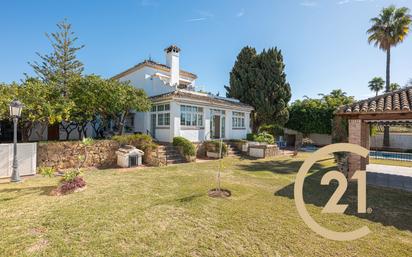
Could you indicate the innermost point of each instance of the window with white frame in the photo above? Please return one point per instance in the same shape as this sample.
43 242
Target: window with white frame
191 116
238 119
163 114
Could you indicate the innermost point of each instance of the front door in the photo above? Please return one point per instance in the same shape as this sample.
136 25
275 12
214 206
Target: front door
216 126
53 132
153 125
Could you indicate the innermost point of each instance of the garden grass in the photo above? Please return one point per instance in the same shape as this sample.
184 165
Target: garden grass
165 211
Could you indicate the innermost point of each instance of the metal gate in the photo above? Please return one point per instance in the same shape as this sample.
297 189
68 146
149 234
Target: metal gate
26 159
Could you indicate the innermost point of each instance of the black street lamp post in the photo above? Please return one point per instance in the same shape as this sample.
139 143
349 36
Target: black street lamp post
15 113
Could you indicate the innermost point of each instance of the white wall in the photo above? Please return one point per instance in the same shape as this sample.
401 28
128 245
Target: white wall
152 86
163 135
139 122
397 141
194 135
26 159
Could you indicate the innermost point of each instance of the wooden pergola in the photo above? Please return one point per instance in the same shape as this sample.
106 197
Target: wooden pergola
388 109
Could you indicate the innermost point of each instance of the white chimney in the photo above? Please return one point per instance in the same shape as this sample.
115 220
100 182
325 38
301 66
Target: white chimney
172 60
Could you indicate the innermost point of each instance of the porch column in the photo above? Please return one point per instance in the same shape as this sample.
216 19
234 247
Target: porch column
358 134
206 115
174 120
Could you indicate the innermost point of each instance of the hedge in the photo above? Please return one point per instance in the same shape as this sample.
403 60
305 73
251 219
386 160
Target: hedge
261 138
188 147
140 141
214 146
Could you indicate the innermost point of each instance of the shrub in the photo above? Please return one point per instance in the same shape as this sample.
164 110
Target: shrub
188 147
46 171
141 141
261 138
71 175
214 145
250 137
274 130
70 186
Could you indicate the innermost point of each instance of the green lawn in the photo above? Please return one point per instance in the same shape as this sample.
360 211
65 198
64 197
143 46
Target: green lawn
166 212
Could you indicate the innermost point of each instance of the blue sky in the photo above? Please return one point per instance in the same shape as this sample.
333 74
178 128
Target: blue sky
324 43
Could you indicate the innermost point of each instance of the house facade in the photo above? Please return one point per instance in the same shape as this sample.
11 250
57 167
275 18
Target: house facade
178 110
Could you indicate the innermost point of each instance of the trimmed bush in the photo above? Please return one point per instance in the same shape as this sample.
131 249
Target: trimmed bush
261 138
141 141
250 137
188 148
214 147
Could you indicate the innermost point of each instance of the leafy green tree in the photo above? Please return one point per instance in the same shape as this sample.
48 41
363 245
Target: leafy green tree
62 64
394 87
43 105
7 93
260 81
82 92
388 30
118 99
376 84
315 115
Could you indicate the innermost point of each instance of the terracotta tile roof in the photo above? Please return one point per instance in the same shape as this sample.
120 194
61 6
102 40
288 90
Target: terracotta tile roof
200 96
392 102
153 64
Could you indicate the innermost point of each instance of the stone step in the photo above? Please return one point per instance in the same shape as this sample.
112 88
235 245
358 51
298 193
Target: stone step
176 161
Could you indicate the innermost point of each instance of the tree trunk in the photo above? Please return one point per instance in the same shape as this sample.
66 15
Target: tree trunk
255 123
388 69
386 141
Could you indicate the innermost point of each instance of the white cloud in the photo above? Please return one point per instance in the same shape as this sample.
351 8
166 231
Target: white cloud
202 16
351 1
309 3
196 19
240 13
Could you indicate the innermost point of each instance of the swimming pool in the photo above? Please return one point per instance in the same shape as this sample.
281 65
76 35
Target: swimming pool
391 156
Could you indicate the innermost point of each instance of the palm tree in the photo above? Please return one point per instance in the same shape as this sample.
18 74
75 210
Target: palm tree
394 87
388 30
376 84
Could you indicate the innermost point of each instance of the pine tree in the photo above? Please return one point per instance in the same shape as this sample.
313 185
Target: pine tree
260 81
62 64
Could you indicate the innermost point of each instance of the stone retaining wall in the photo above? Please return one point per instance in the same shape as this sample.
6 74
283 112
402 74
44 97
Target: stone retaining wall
65 154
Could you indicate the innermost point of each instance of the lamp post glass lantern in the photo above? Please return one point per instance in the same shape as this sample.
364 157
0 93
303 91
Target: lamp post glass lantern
15 113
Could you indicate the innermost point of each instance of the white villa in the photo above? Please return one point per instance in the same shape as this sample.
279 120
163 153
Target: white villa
178 110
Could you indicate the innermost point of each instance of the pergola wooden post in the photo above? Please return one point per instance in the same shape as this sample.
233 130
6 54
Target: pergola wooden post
387 109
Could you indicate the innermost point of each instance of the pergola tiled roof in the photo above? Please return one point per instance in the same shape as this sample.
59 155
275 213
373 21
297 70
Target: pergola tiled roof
399 101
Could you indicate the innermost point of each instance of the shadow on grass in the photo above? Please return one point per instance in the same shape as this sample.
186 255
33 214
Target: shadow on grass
289 166
389 207
19 192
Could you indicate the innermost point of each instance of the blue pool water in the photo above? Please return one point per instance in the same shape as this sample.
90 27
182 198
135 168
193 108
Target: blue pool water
391 156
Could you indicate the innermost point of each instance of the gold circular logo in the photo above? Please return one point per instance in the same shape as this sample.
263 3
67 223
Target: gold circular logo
298 191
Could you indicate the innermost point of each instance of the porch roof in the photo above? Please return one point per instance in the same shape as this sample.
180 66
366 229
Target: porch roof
205 98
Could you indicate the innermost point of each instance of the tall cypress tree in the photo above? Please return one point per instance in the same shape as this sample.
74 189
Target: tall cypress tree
260 81
61 65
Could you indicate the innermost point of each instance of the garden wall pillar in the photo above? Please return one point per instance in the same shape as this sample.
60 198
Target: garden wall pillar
358 134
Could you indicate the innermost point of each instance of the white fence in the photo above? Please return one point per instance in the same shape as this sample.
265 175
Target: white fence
26 158
397 141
